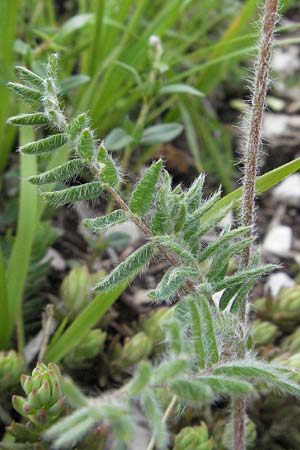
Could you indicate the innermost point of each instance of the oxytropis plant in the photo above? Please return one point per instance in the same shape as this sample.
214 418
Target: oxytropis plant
205 338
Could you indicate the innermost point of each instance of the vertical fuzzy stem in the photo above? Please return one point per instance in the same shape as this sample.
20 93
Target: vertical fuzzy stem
253 144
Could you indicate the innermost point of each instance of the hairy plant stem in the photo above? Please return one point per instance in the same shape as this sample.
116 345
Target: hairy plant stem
252 149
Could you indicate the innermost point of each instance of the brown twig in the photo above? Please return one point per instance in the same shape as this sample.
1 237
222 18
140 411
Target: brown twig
252 149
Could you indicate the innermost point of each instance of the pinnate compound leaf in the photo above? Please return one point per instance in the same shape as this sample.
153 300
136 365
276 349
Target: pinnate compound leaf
44 145
29 119
100 224
87 191
172 281
60 173
108 170
127 269
144 191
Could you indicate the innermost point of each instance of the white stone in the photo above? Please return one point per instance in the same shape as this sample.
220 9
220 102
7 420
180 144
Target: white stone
55 258
277 281
288 191
278 240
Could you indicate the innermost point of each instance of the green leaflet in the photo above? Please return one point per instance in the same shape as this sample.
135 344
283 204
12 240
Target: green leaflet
144 191
29 77
52 66
45 145
221 259
209 337
77 124
87 191
241 295
28 94
174 335
60 173
132 265
172 281
85 145
108 170
160 221
100 224
212 222
177 247
227 296
191 391
141 378
217 243
242 276
29 119
197 331
169 369
154 415
226 385
181 217
194 194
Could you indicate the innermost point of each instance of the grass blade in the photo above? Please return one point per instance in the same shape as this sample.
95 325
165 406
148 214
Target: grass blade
20 256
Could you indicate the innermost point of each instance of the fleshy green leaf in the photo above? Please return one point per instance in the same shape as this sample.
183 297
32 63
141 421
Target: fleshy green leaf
143 193
60 173
45 145
87 191
100 224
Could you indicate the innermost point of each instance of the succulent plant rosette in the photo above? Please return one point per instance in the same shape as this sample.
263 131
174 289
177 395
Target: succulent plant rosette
44 401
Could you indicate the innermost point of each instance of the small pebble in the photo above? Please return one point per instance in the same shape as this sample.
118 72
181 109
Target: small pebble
288 191
278 240
277 281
